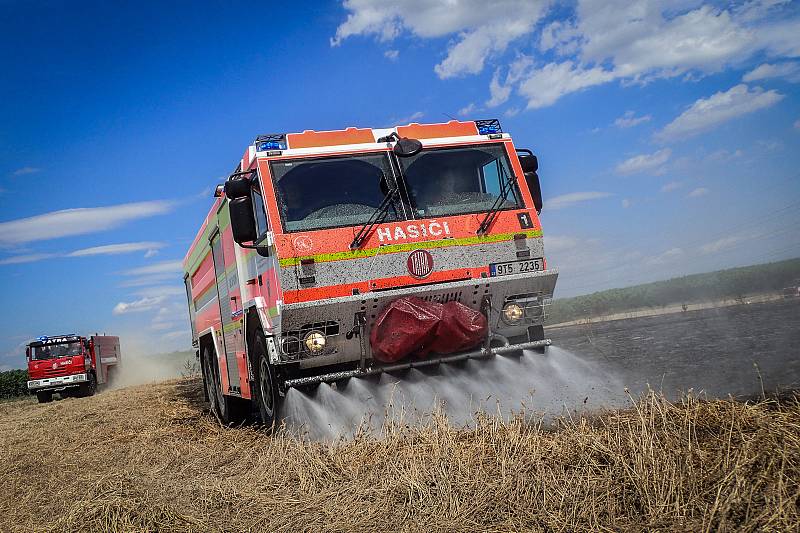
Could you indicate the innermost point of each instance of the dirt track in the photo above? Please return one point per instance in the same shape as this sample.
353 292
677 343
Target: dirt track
152 458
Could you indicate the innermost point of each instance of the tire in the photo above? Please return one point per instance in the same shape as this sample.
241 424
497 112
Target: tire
265 391
229 411
44 397
89 388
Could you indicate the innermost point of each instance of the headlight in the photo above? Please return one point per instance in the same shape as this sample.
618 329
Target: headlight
512 314
315 342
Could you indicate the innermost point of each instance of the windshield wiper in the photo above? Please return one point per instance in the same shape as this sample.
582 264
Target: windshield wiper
506 185
377 216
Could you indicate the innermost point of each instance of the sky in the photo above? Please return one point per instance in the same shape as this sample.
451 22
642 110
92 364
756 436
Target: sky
668 133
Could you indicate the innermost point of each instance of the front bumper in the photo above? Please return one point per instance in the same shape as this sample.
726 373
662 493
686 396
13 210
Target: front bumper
58 382
337 317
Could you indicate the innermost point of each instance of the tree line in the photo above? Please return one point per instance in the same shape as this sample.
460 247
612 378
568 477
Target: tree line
13 383
733 283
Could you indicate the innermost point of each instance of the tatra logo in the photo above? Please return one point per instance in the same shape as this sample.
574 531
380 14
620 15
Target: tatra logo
55 365
420 263
413 231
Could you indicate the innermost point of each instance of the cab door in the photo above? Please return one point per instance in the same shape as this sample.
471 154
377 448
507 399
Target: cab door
229 327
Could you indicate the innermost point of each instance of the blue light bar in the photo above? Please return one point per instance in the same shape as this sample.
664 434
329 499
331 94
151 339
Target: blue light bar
489 127
270 145
42 338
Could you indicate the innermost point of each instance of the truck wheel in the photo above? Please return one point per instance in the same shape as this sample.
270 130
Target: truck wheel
228 410
88 388
265 394
44 397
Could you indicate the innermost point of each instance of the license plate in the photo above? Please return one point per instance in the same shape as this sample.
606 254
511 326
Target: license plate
516 267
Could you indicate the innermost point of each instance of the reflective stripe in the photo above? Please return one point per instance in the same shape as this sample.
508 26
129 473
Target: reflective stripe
408 247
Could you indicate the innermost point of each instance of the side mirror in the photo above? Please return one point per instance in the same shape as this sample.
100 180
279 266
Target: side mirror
532 179
28 353
528 161
530 165
237 188
243 222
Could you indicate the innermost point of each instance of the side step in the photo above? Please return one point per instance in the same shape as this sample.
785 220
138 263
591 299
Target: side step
478 354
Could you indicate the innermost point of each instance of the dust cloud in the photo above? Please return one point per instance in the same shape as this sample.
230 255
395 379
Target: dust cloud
544 386
139 365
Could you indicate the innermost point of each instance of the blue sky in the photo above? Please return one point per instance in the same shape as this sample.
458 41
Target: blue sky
668 132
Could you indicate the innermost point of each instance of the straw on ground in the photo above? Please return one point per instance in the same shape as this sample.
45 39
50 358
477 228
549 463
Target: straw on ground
152 458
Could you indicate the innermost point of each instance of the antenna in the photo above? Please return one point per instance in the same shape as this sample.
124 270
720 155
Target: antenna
448 115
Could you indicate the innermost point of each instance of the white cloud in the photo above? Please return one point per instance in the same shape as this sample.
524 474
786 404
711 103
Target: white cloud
499 92
596 41
514 111
671 186
789 70
467 110
560 243
573 198
644 163
161 290
480 29
708 113
26 170
668 256
722 244
27 258
114 249
410 118
629 120
797 124
391 55
544 86
150 253
138 306
69 222
722 155
698 192
626 203
164 267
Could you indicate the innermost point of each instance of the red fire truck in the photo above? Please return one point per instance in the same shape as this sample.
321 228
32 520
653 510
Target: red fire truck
70 365
329 255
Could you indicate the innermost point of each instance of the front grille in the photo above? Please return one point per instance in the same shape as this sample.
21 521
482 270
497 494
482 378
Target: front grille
50 373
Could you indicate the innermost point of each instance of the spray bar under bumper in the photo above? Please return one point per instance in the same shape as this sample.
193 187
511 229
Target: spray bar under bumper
478 354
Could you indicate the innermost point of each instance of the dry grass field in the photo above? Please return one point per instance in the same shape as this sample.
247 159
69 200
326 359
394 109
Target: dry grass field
152 458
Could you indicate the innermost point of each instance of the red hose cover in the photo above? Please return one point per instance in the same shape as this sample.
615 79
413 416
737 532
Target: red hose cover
412 326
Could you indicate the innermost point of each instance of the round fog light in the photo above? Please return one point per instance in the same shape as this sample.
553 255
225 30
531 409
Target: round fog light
512 313
315 342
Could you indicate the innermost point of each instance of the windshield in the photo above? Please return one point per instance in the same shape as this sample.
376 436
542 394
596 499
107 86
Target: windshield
53 351
331 192
455 181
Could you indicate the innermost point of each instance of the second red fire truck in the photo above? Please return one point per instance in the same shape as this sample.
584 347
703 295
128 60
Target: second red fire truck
329 255
70 365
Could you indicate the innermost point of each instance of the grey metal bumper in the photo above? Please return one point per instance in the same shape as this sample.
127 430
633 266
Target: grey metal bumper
471 292
59 382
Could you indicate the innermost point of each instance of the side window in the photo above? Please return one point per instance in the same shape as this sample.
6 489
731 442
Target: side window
491 177
261 215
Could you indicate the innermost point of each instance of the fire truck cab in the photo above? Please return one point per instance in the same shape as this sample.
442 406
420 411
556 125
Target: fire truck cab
315 235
